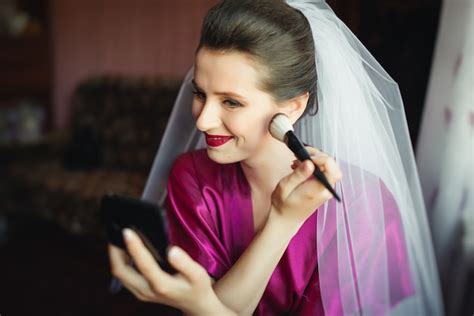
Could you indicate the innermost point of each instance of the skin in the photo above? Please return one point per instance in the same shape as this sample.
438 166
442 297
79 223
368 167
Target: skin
228 102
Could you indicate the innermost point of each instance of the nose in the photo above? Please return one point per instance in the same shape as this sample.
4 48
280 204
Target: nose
207 116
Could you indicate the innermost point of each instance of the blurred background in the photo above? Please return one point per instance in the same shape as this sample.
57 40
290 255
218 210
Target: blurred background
86 88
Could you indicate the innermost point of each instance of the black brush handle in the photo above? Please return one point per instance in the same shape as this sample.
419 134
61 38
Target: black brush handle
302 154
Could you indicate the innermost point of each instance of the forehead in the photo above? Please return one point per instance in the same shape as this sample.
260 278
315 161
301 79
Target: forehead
218 69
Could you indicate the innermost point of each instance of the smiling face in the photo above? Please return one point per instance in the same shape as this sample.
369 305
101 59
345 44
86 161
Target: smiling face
229 107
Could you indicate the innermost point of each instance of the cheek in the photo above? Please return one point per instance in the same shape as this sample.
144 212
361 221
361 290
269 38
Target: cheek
253 127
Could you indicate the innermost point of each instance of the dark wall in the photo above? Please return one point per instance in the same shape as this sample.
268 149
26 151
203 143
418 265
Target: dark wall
401 35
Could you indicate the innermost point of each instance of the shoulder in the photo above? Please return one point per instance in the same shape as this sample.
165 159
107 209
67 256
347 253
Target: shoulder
195 168
188 177
363 189
193 163
358 181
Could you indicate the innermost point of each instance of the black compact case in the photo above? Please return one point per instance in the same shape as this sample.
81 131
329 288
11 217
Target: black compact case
118 212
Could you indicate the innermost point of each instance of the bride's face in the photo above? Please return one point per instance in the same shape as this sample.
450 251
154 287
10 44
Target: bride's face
229 107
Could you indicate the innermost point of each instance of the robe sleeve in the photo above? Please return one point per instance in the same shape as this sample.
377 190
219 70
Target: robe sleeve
190 216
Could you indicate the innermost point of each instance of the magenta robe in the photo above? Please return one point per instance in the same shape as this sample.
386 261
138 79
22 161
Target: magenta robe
209 214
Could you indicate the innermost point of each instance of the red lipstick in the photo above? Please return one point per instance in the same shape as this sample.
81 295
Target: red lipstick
217 140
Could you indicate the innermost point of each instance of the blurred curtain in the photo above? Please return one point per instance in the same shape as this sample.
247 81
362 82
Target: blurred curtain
445 153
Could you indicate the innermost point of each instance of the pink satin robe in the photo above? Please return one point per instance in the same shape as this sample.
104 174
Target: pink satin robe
209 214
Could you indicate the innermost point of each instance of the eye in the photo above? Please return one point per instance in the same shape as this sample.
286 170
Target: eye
232 103
198 94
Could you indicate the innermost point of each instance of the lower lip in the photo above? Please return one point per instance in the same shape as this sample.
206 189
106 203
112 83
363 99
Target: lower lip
217 141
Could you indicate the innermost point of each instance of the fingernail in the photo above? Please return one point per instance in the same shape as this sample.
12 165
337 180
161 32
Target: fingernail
127 234
174 252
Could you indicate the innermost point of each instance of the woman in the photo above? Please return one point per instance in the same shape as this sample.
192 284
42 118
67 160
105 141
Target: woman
257 233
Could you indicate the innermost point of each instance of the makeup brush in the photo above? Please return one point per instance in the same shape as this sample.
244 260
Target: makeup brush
280 127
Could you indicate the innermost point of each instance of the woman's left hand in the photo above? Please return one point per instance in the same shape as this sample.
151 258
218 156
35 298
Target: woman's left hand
190 290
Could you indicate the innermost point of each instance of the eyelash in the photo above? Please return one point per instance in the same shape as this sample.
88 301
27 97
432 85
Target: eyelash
230 102
199 95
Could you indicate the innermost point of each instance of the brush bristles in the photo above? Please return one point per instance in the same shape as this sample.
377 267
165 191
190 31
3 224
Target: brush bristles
279 126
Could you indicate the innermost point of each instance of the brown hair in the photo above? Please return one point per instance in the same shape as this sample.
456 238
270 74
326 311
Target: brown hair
278 36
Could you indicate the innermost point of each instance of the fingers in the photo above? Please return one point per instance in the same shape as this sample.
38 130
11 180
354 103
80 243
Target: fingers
158 280
130 278
300 174
183 290
325 163
154 284
189 268
117 257
299 194
329 167
313 151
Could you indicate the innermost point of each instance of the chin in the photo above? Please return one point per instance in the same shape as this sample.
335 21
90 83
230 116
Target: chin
221 157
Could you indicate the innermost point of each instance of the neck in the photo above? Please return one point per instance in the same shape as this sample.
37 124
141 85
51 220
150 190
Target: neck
264 170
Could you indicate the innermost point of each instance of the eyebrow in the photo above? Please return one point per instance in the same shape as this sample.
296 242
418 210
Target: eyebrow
238 96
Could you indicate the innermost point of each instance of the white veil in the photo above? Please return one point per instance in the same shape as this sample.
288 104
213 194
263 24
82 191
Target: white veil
361 122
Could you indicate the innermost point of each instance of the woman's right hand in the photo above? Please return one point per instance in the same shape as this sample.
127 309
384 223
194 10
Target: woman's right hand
299 194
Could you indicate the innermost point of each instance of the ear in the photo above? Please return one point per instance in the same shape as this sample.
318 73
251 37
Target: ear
295 107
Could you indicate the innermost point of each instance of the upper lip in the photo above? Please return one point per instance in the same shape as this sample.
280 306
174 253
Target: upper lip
217 136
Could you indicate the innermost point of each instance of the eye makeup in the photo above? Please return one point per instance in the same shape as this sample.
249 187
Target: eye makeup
235 99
